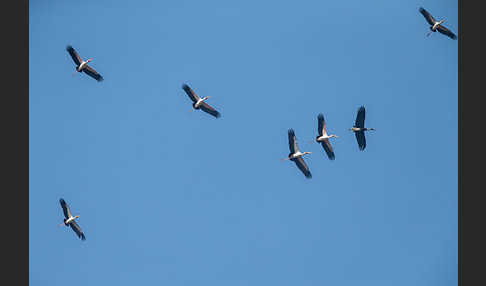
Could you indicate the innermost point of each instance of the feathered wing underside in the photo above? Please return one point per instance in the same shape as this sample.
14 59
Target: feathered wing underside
77 230
303 167
293 142
428 17
92 73
65 209
321 125
328 148
209 109
443 30
360 118
74 55
192 95
360 137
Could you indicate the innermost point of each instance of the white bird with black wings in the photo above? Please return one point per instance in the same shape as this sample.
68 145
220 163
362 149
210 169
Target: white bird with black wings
200 103
82 66
436 25
323 137
70 220
296 155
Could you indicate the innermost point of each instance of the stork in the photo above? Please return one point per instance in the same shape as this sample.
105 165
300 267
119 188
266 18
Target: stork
323 137
200 103
359 128
82 66
436 25
69 219
296 155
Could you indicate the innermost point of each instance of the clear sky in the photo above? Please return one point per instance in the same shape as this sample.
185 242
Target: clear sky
167 196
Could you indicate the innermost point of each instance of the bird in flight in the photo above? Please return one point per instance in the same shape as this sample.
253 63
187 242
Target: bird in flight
323 137
359 128
69 219
436 25
296 155
200 103
82 66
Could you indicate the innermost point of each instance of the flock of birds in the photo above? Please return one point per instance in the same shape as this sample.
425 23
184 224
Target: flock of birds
295 154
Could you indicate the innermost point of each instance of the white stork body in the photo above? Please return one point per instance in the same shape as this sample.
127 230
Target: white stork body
434 27
82 66
69 220
199 102
357 129
324 137
297 154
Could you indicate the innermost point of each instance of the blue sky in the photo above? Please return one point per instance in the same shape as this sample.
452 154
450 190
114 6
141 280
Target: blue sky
167 196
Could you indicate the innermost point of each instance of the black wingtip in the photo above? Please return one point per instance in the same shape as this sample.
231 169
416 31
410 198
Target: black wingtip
83 237
61 200
308 175
320 116
185 86
100 79
218 115
291 131
69 48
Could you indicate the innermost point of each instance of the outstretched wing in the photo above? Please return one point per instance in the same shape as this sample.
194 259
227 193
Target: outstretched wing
92 73
360 118
328 148
360 137
292 141
303 167
321 126
76 58
192 95
447 32
77 230
209 109
65 209
427 16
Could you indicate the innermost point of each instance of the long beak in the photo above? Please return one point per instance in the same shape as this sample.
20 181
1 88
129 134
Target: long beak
428 34
61 224
336 136
283 159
